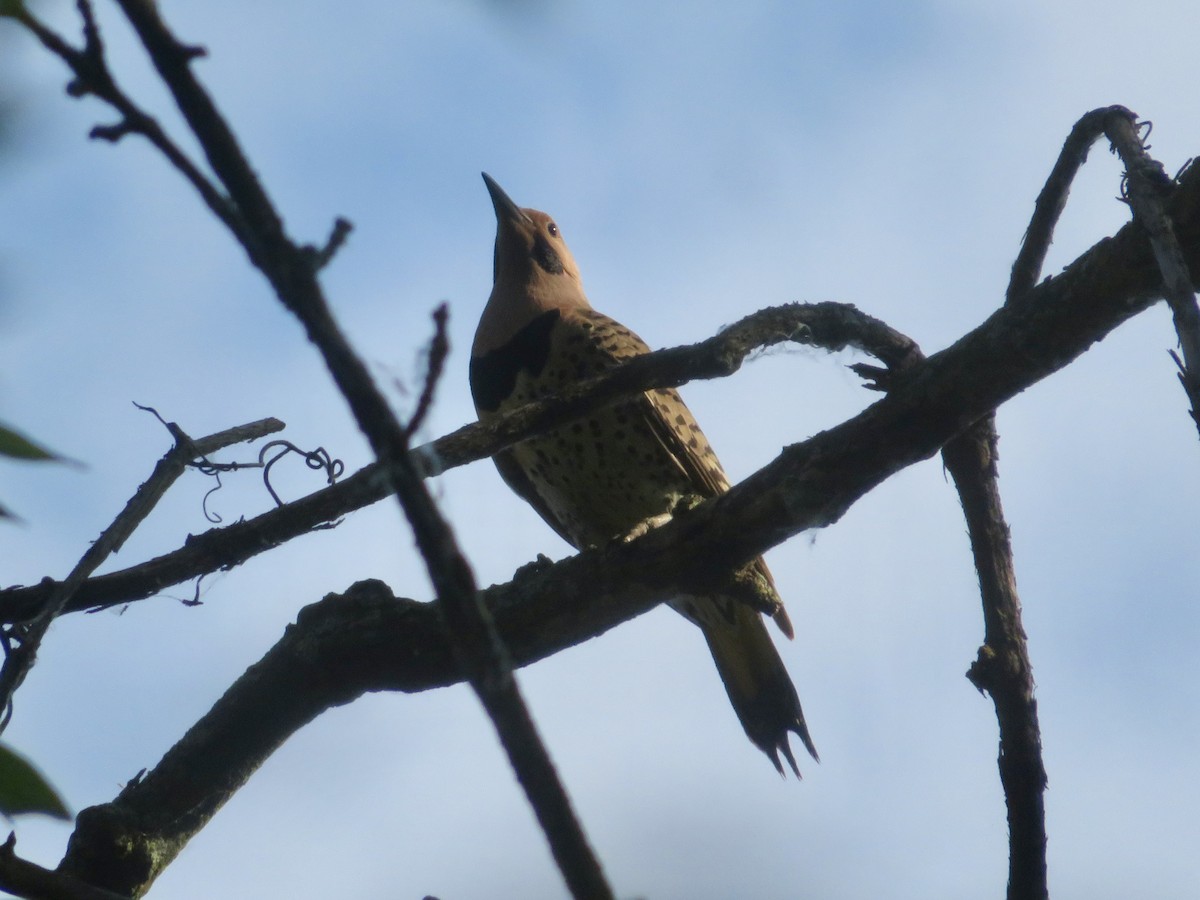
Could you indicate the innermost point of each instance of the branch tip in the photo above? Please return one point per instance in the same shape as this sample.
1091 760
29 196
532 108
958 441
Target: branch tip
320 257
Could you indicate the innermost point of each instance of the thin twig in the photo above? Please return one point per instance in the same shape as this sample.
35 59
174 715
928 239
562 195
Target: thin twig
323 256
1147 188
478 647
27 637
439 348
92 76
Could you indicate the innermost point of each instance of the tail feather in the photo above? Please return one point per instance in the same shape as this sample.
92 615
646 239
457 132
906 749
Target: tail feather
758 685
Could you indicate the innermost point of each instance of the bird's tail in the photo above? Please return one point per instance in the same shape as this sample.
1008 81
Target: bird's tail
758 685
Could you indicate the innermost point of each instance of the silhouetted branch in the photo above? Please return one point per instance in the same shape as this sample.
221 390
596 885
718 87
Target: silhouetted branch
21 878
439 348
21 641
1048 207
292 273
1002 667
929 403
1147 187
92 77
1115 268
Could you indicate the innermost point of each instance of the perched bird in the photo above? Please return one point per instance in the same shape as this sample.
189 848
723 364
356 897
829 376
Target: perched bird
600 477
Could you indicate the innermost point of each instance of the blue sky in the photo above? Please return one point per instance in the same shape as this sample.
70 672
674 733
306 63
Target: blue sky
701 165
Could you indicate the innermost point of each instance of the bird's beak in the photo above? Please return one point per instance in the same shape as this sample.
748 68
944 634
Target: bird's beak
506 210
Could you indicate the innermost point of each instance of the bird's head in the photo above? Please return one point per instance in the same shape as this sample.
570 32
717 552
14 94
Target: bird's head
530 250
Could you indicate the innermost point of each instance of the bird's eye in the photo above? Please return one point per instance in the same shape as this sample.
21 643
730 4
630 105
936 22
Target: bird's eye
553 229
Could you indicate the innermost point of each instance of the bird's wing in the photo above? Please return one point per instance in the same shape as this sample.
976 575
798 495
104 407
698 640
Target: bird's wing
677 430
680 435
663 411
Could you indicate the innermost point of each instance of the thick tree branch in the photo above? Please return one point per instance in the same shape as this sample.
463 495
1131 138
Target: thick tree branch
365 640
22 878
1117 270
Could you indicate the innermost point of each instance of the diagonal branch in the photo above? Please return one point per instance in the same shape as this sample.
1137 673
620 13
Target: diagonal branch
21 654
1114 270
291 270
1147 187
22 878
1048 207
92 76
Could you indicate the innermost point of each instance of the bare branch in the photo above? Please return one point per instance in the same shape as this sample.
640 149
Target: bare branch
1002 667
439 347
1048 207
93 77
830 325
339 648
259 227
22 641
22 878
323 256
293 276
929 404
1147 187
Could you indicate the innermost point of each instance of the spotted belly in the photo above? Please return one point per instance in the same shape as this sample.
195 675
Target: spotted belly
603 474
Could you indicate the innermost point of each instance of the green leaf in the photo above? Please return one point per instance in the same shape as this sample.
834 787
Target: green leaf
24 790
16 445
12 9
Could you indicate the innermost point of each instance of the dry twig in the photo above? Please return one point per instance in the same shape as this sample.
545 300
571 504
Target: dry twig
22 640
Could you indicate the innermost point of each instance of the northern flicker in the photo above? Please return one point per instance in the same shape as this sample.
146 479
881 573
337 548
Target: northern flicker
601 477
